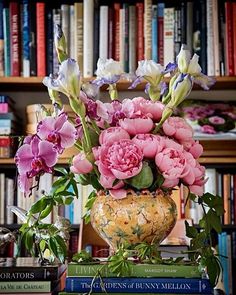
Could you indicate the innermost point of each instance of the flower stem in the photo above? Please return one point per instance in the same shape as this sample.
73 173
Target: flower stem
95 127
86 134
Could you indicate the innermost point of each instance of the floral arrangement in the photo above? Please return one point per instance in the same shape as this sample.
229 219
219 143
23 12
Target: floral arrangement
209 118
130 144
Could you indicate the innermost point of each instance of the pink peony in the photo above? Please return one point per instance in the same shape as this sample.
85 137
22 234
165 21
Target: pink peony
170 143
194 147
198 186
80 164
112 134
121 160
172 164
178 128
208 129
148 108
108 182
216 120
137 126
150 144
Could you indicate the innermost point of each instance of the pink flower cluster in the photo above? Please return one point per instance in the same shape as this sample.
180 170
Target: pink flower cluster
39 152
124 147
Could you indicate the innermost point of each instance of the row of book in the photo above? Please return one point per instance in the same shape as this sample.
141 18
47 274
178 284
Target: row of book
122 31
10 195
27 275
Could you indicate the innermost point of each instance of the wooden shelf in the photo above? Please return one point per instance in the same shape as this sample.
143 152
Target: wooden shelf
10 161
35 84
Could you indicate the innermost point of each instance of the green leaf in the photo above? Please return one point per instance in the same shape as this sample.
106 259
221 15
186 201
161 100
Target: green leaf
214 221
213 269
61 170
44 213
191 231
39 206
75 187
69 200
61 248
192 196
158 182
91 198
42 245
29 240
82 256
142 180
52 244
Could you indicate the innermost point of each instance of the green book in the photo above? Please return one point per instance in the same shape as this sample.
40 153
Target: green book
25 287
137 270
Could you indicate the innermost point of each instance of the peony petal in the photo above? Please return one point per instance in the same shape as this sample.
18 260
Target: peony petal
118 193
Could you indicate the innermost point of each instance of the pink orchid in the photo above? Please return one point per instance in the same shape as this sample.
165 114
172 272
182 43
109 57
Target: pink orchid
35 157
137 126
121 160
58 131
149 144
112 134
81 165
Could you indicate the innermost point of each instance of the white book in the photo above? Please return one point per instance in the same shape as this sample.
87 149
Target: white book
215 23
79 34
65 23
210 39
72 33
56 15
20 202
148 29
132 39
103 32
211 184
77 217
9 200
88 37
169 24
2 198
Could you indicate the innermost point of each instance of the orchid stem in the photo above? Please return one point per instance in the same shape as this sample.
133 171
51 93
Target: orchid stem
86 134
95 127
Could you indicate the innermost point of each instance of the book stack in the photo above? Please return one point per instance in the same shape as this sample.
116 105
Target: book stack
143 279
27 275
9 126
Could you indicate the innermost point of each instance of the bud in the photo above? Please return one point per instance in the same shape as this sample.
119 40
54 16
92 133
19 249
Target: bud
183 59
60 44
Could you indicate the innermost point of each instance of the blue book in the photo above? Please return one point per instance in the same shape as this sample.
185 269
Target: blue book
138 285
26 38
6 34
154 33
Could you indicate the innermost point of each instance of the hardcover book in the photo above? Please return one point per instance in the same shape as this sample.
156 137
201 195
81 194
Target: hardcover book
137 270
140 285
28 268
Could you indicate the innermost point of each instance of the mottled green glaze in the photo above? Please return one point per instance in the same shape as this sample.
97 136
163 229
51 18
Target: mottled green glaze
144 217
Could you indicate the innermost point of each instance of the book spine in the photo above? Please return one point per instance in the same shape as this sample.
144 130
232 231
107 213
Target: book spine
79 34
32 43
140 270
140 285
116 32
183 17
148 29
26 39
10 195
234 36
126 37
215 23
110 32
177 32
210 39
140 31
203 36
88 38
65 23
228 39
132 39
96 35
4 108
56 14
226 198
14 38
49 43
25 286
7 51
169 23
2 198
160 16
72 31
103 32
154 33
189 26
1 41
41 42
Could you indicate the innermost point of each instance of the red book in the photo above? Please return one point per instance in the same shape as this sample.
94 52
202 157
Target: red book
110 32
116 32
234 36
40 32
14 38
140 32
229 39
6 141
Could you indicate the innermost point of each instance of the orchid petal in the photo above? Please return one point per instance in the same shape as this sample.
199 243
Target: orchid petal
68 135
23 158
47 153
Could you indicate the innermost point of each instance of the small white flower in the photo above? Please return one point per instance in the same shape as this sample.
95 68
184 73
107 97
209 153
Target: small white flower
150 71
180 89
108 70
